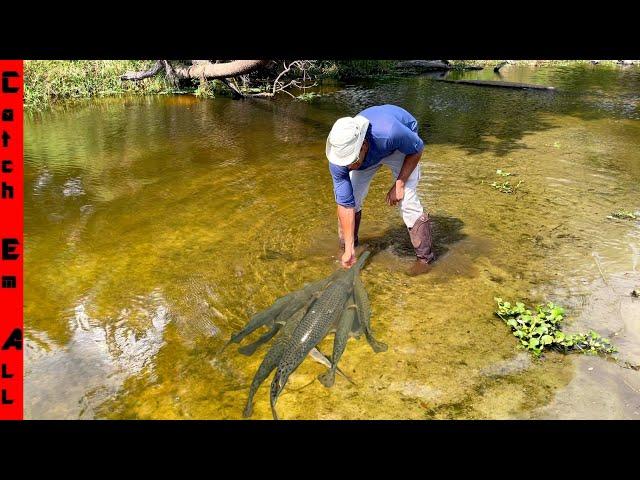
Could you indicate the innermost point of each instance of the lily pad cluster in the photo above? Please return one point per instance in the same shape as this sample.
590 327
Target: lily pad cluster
506 186
540 329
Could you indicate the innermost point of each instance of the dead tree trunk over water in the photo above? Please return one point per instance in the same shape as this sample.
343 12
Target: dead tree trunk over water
227 73
199 69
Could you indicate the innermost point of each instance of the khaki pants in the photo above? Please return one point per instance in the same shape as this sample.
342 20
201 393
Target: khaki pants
409 206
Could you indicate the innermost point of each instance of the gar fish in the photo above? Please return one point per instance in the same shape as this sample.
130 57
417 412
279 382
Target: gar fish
274 355
252 347
315 324
261 318
280 311
271 359
339 342
364 315
321 358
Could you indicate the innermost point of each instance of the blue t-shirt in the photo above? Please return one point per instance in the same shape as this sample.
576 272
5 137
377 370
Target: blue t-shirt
391 128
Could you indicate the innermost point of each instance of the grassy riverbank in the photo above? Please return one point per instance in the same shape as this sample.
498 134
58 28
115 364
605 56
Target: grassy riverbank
48 81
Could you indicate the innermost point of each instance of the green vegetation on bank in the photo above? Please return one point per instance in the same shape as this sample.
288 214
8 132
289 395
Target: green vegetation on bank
351 69
47 81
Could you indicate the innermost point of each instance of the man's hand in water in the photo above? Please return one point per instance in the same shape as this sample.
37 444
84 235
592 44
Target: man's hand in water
348 259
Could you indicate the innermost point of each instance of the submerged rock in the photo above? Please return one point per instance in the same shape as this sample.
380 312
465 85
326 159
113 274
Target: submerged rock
415 390
517 364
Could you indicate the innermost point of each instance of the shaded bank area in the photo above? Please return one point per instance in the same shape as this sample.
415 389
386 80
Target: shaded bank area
155 226
52 81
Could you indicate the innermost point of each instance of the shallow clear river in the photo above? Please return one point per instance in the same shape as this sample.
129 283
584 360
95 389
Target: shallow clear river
156 226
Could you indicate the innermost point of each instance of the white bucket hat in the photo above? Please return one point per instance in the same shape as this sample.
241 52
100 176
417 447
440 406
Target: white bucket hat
346 139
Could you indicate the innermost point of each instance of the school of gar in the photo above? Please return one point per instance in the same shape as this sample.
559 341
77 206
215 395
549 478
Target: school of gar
300 320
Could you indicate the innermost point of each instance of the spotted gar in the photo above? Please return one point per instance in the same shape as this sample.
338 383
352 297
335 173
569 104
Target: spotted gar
271 359
364 315
340 341
316 323
283 308
274 355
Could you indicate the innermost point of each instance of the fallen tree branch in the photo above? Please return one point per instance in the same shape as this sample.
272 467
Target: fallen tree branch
433 66
135 76
500 65
212 71
279 86
491 83
234 88
227 73
171 74
199 70
425 65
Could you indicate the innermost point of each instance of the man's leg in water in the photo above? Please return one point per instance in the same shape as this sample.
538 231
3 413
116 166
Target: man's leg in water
360 181
416 220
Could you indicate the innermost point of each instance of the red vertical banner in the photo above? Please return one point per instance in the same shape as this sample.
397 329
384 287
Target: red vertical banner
11 235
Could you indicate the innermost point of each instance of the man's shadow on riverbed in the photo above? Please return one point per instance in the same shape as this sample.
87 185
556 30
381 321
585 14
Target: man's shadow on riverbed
446 232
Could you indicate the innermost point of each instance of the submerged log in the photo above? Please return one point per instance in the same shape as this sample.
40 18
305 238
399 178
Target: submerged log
426 65
492 83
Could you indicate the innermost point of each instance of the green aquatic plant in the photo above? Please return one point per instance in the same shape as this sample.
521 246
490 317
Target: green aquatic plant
542 329
205 89
502 173
624 215
307 97
506 186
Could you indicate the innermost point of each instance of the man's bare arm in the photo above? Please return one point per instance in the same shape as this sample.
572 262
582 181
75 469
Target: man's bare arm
396 192
409 165
347 219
